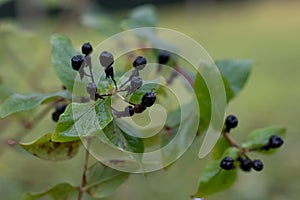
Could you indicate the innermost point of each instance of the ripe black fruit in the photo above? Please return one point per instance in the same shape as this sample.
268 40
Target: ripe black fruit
227 163
60 109
148 99
245 164
275 141
139 108
91 88
136 83
257 165
77 61
163 57
86 48
139 62
129 111
231 122
106 59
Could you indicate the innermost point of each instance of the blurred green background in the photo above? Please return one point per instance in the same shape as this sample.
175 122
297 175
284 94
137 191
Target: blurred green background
265 31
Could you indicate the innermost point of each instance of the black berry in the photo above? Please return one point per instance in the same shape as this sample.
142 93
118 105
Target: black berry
86 48
148 99
257 165
91 88
231 122
60 109
163 57
139 108
139 62
275 141
129 111
106 59
77 61
227 163
136 82
245 164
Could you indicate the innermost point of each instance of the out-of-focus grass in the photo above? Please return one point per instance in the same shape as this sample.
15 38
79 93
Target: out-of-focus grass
268 33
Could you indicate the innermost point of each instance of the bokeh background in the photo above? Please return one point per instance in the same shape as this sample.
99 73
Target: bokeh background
265 31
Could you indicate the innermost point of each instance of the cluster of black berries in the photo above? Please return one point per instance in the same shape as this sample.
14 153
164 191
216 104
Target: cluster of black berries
107 60
148 100
245 163
163 58
60 109
78 62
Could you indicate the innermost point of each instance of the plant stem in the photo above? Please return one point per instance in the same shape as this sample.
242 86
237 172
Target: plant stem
180 71
83 179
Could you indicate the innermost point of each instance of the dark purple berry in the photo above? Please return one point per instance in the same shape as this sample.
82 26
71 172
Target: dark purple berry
136 82
275 141
245 164
231 122
139 108
55 116
257 165
163 57
148 99
60 109
129 111
227 163
106 59
91 88
77 61
86 48
139 62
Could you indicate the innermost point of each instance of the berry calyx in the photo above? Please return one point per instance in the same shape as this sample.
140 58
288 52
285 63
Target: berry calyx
106 59
139 62
275 141
245 164
86 48
129 111
148 99
257 165
227 163
77 61
231 122
163 57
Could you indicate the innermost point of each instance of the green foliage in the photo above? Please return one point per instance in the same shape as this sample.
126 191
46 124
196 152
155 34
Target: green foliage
63 191
102 181
260 137
82 119
46 149
62 52
214 179
18 102
220 147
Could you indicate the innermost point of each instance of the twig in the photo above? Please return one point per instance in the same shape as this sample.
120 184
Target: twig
179 70
85 167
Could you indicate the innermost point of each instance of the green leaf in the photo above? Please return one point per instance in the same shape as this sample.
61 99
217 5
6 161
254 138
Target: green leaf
63 191
214 179
46 149
20 102
62 52
123 140
236 72
141 16
82 119
260 137
102 181
220 147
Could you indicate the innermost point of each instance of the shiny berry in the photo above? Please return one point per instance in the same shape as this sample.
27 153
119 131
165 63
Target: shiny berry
86 48
148 99
60 109
139 62
227 163
257 165
139 108
245 164
106 59
77 61
275 141
91 88
129 111
163 57
231 122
